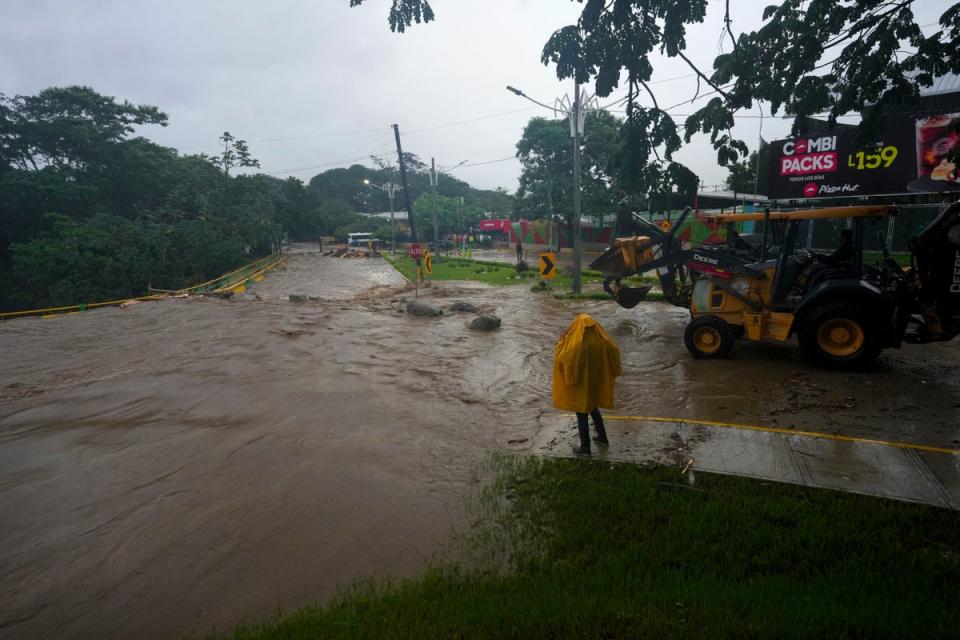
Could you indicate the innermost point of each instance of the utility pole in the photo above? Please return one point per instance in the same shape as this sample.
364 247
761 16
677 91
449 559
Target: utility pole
433 186
393 227
577 113
575 125
403 180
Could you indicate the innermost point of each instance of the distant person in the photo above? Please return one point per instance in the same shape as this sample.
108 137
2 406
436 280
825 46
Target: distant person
519 252
586 362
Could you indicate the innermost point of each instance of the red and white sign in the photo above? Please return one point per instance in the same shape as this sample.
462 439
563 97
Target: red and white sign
497 224
415 251
805 157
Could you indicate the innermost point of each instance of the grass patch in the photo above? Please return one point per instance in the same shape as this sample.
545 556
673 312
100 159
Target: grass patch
500 273
449 268
579 549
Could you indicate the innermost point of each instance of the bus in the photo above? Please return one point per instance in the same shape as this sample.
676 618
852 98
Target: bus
361 240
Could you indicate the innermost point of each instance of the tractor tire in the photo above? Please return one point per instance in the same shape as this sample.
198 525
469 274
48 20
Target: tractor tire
840 335
708 337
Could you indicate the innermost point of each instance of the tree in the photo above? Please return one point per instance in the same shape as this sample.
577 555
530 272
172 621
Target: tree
66 127
545 151
235 154
809 57
742 178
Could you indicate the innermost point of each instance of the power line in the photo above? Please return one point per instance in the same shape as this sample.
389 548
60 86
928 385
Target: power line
478 164
313 135
462 122
335 163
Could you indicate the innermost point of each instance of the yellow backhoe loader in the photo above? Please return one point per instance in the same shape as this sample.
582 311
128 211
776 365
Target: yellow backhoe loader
844 312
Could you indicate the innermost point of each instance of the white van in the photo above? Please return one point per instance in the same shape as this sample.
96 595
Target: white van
359 239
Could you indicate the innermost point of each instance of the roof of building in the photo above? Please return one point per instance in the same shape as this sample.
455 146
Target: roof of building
397 215
948 83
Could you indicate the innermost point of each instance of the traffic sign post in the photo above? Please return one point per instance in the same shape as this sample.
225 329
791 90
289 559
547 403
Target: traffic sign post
548 266
428 262
415 252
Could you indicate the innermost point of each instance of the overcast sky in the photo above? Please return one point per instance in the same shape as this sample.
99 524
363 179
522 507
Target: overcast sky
313 84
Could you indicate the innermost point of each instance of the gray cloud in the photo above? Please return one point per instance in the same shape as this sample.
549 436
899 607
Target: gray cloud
297 69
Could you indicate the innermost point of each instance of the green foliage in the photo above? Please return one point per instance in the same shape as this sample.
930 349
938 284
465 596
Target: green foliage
89 213
545 151
66 127
404 13
742 175
235 154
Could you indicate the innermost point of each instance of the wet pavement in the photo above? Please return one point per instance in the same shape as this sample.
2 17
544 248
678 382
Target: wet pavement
887 469
168 467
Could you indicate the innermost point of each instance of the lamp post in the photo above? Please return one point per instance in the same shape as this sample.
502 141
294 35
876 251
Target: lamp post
577 113
391 190
434 180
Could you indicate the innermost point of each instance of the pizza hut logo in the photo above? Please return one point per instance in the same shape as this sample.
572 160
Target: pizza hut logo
805 156
811 189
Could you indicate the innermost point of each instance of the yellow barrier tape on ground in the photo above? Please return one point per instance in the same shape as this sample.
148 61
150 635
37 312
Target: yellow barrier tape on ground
48 312
788 432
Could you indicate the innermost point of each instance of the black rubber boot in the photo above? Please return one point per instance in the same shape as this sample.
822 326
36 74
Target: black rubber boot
584 428
598 425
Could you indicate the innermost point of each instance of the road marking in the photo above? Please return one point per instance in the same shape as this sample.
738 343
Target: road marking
789 432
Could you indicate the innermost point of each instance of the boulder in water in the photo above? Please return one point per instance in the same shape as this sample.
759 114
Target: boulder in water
485 323
422 309
298 297
465 307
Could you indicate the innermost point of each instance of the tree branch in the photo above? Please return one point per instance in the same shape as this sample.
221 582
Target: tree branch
701 75
727 21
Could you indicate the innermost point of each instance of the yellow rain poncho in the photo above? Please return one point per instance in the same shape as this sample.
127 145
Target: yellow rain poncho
585 363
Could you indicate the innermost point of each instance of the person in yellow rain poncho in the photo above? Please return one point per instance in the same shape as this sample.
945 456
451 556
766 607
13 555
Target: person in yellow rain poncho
586 362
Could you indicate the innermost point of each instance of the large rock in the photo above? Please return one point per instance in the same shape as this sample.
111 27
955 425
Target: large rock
485 323
465 307
422 309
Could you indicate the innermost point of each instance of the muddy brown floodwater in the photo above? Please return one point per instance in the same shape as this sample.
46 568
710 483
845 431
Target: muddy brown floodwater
170 467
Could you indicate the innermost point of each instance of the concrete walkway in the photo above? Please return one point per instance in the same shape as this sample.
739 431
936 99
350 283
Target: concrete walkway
911 472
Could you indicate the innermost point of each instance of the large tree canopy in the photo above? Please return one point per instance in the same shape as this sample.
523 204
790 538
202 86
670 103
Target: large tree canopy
545 152
810 57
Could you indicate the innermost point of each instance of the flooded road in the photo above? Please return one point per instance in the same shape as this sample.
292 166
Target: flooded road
169 467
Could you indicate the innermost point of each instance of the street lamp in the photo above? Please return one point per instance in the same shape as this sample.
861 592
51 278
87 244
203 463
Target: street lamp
576 112
391 190
434 178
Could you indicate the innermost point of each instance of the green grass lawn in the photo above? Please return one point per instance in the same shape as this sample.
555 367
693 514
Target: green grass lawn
499 273
587 549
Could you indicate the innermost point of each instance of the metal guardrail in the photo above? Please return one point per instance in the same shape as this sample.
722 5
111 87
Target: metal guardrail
232 281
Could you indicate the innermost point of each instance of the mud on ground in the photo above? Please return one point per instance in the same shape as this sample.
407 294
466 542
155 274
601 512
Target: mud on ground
165 467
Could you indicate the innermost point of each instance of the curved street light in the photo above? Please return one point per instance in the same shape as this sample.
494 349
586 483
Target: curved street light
390 189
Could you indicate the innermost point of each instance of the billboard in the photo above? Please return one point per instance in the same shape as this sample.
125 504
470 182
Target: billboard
911 157
502 224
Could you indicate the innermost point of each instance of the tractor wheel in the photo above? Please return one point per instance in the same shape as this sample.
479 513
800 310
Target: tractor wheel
708 337
840 335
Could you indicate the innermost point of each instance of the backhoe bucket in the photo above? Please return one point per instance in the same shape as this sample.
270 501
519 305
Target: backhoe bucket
629 297
624 257
610 263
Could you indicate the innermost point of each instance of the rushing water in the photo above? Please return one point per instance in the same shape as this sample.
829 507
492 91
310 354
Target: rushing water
167 467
